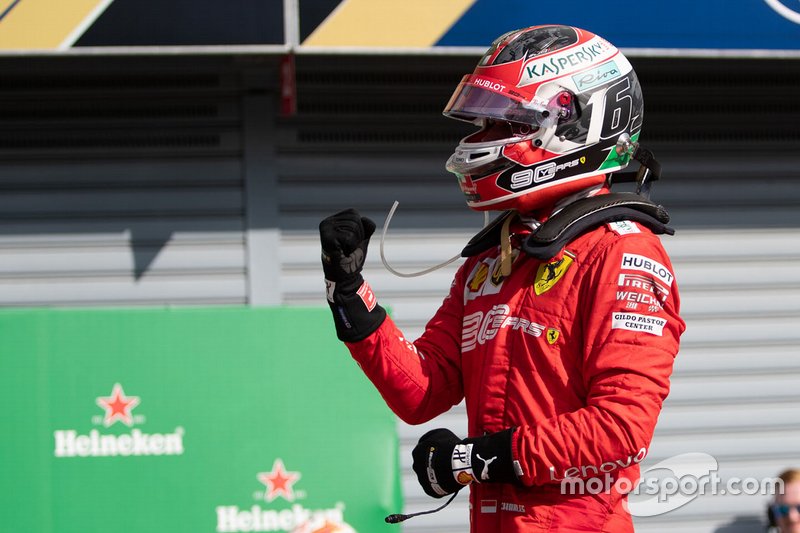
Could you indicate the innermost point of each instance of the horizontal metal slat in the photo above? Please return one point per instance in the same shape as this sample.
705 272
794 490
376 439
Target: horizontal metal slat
725 358
726 217
117 173
782 299
739 444
686 418
369 168
114 112
143 233
89 261
217 288
773 273
124 76
105 144
319 198
47 231
448 216
781 190
121 202
735 389
723 245
732 330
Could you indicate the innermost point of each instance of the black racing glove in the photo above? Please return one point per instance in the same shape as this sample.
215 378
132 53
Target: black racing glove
444 464
344 238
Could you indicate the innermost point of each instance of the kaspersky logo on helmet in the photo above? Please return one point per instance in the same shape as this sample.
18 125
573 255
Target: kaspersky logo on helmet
107 440
284 512
568 61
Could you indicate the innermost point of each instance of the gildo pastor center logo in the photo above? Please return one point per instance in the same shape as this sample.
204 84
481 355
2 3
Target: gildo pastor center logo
118 410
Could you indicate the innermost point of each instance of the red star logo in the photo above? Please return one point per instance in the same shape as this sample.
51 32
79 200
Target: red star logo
118 406
279 482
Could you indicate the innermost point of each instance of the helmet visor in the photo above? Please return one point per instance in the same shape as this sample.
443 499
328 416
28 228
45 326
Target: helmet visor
478 97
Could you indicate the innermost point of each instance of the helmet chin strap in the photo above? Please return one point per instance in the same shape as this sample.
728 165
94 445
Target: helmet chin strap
421 272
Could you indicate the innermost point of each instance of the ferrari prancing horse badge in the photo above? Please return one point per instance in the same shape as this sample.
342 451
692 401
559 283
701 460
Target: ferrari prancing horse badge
550 273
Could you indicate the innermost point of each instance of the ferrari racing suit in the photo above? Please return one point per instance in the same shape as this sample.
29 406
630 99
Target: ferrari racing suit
574 352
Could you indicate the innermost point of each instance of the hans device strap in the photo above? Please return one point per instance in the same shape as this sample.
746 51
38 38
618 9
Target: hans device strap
573 220
589 213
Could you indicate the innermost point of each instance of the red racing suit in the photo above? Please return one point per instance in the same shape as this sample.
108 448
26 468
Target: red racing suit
575 352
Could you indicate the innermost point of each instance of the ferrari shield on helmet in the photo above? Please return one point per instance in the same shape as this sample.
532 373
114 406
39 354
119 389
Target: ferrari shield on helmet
551 103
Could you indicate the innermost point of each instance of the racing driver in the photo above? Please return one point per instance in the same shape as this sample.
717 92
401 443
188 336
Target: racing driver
561 327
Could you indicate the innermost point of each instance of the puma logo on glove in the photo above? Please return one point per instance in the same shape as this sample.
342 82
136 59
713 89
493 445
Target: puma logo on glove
444 463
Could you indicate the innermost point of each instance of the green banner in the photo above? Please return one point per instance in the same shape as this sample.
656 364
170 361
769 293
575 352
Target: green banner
201 420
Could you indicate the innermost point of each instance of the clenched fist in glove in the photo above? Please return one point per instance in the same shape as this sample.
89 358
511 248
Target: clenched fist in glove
344 238
444 463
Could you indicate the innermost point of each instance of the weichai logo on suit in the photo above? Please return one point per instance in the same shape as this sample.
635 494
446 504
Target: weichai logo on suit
105 440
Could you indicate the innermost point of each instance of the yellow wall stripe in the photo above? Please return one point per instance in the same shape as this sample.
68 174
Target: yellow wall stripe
388 23
45 24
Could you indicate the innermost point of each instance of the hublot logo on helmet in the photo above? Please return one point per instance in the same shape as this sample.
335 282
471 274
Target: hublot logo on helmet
489 84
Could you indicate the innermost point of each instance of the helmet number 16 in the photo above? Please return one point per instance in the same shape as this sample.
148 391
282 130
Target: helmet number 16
618 106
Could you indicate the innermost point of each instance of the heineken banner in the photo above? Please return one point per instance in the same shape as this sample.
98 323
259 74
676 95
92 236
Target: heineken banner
201 420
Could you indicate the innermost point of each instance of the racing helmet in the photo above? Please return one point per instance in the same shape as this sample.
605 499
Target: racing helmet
552 103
